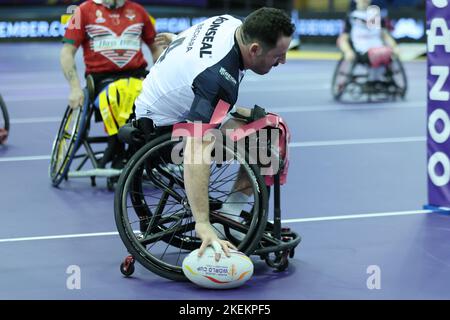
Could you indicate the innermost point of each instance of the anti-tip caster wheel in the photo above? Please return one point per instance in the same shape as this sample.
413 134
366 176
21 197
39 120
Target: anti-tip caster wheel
127 267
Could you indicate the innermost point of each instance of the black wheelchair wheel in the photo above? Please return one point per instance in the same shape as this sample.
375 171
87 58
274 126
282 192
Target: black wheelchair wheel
67 141
341 78
398 77
4 121
152 212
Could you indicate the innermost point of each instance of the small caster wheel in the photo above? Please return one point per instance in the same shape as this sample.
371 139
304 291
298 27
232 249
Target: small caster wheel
279 260
127 267
284 261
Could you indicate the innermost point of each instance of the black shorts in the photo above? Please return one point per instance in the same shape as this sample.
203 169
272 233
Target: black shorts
363 58
101 80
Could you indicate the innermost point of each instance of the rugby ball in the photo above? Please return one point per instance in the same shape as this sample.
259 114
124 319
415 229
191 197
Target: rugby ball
228 272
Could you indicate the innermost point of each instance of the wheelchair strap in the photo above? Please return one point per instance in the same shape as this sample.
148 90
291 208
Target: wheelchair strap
113 104
134 88
199 129
271 120
106 113
116 103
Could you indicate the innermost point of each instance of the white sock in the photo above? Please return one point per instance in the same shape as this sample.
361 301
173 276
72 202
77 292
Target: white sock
232 208
234 204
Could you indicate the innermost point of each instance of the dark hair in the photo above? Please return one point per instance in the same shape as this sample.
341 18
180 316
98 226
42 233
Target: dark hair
266 25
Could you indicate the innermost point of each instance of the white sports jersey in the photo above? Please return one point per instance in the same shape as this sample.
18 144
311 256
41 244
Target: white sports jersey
202 65
361 36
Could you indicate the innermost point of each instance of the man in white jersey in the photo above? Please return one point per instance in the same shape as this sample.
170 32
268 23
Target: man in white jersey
360 35
201 66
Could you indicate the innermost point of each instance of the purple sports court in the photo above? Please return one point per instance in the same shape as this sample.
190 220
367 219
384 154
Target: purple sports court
359 173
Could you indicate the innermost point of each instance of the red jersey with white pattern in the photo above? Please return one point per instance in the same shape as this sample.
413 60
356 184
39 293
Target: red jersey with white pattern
111 38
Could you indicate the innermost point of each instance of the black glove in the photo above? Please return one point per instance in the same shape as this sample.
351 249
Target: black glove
256 114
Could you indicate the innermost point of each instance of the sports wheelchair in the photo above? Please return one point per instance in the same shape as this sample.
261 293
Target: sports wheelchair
152 212
351 81
74 133
4 121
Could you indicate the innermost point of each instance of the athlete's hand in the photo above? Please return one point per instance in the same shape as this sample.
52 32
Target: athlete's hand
209 237
396 51
164 39
76 98
349 55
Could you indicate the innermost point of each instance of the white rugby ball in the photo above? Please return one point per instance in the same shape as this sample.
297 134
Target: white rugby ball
228 272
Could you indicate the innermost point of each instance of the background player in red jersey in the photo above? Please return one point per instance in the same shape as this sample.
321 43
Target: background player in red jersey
111 33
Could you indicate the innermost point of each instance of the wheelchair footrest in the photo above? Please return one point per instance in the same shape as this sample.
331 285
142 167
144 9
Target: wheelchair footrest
95 173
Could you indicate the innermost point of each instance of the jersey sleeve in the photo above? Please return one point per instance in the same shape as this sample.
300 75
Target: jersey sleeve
207 93
148 31
75 33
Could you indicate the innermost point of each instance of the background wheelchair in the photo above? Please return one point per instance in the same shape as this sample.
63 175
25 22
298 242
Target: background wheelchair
156 224
4 121
351 82
74 146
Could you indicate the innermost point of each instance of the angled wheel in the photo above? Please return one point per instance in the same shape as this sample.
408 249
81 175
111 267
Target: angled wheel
67 141
4 121
153 216
341 78
397 74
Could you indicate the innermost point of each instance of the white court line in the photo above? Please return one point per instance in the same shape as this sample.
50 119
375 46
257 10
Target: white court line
22 98
272 88
34 98
26 158
338 107
300 86
355 142
38 85
35 120
275 88
358 216
289 109
325 143
244 89
63 236
288 77
330 218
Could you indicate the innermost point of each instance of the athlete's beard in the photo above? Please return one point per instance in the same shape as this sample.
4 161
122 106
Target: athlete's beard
113 4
